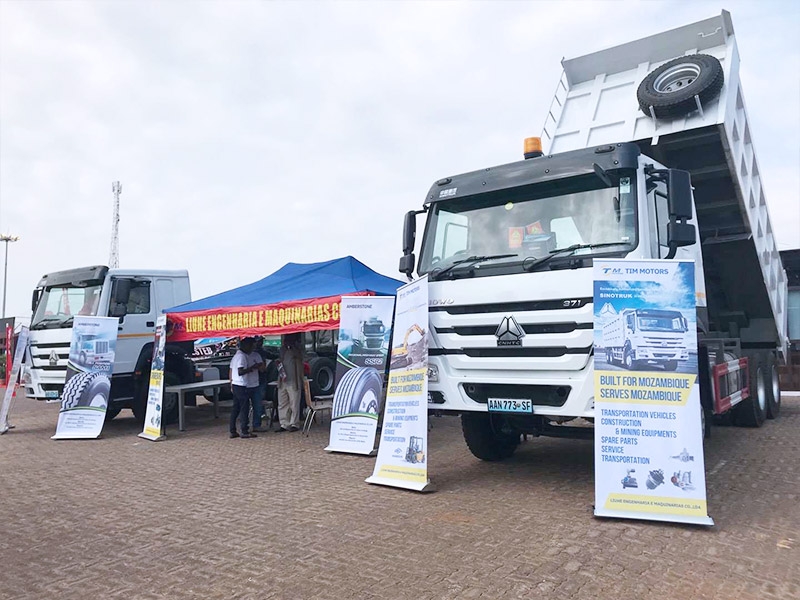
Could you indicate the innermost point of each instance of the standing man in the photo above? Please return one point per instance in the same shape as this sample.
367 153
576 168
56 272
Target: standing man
290 382
244 383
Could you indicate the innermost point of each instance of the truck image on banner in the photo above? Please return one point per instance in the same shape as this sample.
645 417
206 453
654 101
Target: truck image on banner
364 336
88 383
403 454
648 432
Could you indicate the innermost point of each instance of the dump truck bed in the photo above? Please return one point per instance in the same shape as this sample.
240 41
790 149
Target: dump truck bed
596 103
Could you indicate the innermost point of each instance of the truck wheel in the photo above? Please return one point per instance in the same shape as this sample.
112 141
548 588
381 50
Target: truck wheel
323 375
484 441
359 391
111 412
671 88
773 387
86 389
752 411
628 360
670 365
169 402
609 356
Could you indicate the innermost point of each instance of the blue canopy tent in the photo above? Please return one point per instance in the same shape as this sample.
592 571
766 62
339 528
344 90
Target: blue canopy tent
296 297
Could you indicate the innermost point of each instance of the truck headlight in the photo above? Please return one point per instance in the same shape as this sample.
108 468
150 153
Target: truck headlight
433 373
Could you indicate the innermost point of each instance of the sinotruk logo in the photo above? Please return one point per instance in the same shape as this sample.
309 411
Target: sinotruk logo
509 333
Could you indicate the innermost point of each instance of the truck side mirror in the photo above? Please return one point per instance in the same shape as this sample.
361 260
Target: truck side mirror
409 232
120 295
408 260
679 191
35 300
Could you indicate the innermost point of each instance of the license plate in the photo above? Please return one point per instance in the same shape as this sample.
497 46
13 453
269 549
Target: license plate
51 394
510 405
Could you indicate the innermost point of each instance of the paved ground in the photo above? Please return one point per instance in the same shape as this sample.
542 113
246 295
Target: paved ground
202 516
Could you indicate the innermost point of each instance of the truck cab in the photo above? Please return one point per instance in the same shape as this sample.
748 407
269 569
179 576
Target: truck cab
135 297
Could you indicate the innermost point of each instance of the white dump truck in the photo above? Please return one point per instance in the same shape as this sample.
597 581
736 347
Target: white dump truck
136 297
637 337
648 154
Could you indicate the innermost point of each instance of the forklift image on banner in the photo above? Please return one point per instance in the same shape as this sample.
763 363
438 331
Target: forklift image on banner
414 453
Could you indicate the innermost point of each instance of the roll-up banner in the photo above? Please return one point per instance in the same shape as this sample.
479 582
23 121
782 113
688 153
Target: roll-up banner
88 384
13 377
152 418
648 436
403 452
365 330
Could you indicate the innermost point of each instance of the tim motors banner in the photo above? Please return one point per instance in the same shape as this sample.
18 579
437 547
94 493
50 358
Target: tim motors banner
364 333
152 418
13 377
270 319
648 438
403 452
88 384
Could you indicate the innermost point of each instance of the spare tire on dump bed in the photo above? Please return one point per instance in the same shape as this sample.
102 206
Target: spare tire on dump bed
671 88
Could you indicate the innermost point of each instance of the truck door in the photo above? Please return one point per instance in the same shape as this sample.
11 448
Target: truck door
137 326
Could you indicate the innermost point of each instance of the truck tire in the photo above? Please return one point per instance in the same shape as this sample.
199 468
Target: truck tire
484 441
671 88
323 375
609 356
111 412
773 383
86 389
359 391
671 365
752 411
169 402
628 360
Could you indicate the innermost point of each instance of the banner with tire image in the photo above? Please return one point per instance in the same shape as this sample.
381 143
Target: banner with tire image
403 452
155 393
362 352
88 383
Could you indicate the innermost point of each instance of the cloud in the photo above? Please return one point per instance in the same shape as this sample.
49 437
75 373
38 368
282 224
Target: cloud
247 135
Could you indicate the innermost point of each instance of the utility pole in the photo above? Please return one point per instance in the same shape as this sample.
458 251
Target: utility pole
7 238
113 260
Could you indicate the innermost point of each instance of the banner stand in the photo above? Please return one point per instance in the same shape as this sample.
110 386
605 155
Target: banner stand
153 423
13 379
365 326
403 451
648 437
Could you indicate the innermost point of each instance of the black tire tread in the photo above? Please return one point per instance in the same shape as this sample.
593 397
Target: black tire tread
680 103
483 441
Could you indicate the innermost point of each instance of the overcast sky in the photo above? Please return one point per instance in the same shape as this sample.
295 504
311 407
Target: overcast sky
251 134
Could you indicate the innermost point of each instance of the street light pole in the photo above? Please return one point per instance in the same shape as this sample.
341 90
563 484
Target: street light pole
6 238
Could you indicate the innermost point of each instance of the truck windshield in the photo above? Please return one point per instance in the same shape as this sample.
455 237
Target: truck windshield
58 305
664 323
530 226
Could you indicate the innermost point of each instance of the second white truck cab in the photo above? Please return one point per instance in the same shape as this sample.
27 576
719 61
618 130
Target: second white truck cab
636 337
136 297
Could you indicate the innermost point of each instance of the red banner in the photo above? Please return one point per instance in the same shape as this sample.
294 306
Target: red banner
269 319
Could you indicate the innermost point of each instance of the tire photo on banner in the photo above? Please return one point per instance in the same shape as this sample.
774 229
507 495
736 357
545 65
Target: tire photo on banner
359 392
361 356
86 389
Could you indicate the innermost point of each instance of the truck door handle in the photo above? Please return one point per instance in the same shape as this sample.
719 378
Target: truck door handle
151 323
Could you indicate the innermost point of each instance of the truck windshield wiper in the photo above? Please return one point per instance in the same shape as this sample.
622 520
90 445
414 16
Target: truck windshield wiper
537 262
46 323
473 260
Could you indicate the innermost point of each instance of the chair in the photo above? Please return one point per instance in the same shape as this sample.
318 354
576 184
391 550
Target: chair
210 374
313 406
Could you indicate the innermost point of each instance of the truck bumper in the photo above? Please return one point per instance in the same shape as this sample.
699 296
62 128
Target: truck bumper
645 353
554 393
